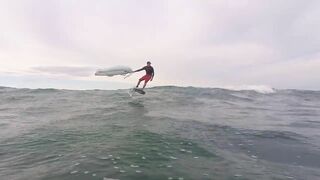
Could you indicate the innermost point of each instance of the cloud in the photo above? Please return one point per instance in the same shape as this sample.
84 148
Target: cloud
209 42
302 73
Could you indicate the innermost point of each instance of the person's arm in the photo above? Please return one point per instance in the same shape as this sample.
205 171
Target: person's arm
139 69
152 74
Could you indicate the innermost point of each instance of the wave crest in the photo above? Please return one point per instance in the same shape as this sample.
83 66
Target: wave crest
258 88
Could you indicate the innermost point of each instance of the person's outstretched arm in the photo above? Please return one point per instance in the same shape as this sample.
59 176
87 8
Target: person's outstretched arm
139 70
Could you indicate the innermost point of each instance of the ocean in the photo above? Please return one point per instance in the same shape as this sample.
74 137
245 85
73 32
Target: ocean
171 133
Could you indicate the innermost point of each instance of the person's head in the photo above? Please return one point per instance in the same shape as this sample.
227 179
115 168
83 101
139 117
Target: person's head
148 63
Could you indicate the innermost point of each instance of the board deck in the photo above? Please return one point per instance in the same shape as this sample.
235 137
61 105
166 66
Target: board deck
140 91
136 90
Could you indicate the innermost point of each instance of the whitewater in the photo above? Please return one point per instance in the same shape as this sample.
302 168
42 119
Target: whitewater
174 133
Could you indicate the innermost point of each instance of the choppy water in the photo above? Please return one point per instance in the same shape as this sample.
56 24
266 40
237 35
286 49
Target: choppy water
169 133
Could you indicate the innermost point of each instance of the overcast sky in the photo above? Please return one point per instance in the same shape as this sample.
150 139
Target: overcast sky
207 43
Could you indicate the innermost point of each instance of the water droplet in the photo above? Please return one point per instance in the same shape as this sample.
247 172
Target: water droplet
182 150
171 157
255 157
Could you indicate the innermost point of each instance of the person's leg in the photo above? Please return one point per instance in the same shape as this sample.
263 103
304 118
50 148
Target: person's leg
141 79
146 80
145 83
138 83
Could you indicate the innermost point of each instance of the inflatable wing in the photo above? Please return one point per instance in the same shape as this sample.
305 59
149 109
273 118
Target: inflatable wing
117 70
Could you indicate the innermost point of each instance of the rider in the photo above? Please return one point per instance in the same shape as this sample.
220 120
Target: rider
149 74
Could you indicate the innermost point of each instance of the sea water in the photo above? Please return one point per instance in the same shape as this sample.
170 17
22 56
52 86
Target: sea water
170 133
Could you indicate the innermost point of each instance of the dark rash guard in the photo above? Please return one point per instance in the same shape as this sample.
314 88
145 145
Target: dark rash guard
149 70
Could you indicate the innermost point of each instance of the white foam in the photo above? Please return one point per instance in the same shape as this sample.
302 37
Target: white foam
109 179
174 158
182 150
258 88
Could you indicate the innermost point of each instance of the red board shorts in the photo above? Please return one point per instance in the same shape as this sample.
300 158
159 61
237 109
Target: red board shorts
146 78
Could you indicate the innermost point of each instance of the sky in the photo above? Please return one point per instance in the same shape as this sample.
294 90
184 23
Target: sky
202 43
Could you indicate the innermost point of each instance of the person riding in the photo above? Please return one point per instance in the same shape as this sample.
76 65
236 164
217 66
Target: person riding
149 74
